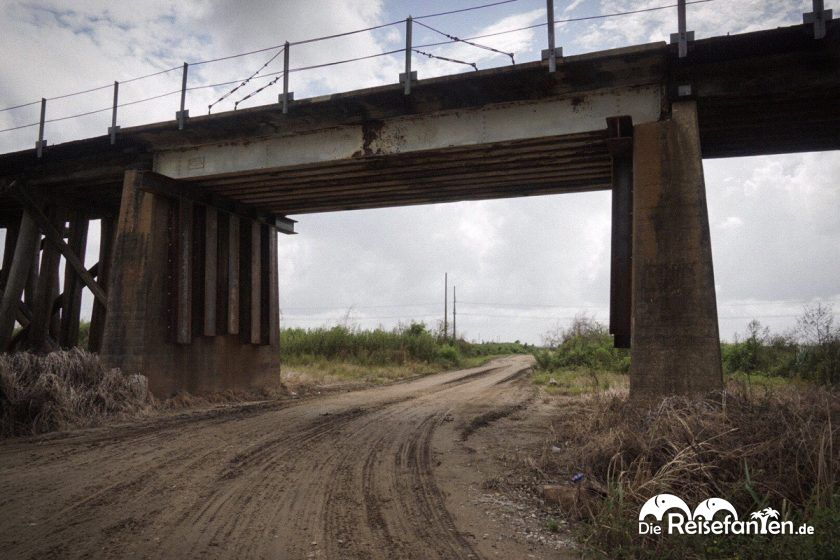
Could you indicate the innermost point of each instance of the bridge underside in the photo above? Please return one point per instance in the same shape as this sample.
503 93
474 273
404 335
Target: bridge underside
548 165
186 284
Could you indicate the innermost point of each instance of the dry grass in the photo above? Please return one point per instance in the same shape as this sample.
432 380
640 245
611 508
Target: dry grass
63 389
756 448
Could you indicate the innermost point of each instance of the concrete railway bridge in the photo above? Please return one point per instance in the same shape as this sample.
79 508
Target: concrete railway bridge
186 284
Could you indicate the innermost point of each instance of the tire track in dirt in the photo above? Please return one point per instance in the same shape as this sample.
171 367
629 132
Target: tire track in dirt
347 475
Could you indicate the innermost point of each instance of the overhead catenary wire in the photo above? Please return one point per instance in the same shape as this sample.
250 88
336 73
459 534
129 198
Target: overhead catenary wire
469 9
568 20
246 80
253 93
430 55
91 90
466 41
344 61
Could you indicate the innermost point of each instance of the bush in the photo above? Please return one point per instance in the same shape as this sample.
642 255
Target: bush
372 348
810 352
62 389
776 448
586 343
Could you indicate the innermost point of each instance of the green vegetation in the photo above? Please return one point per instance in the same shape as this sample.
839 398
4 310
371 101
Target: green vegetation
809 352
580 359
381 355
586 344
771 440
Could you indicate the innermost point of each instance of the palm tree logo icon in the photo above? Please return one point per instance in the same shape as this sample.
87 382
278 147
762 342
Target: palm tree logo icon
764 515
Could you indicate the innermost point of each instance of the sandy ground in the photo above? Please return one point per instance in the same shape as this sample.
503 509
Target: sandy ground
402 471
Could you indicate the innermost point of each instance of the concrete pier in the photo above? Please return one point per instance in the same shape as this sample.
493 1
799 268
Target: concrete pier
675 340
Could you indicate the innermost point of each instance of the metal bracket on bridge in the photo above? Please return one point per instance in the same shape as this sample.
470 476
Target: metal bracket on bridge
682 37
285 225
558 54
284 99
818 17
413 78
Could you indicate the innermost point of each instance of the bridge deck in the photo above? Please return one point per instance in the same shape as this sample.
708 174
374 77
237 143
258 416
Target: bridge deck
758 93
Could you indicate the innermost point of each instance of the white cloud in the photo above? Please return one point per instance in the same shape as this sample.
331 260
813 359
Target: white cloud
775 233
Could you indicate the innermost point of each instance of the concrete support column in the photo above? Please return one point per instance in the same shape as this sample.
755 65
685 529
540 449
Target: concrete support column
675 340
139 336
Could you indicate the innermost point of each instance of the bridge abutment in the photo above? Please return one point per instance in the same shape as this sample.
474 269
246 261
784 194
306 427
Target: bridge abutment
192 299
675 339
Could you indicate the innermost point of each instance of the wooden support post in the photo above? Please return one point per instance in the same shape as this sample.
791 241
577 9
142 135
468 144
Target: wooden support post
183 266
274 297
233 276
97 318
222 256
265 284
8 251
54 236
46 291
72 300
211 255
256 283
198 271
25 247
620 145
32 276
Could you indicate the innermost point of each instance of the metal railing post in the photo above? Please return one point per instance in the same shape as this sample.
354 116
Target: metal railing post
287 96
818 17
183 114
41 143
113 129
408 76
682 37
552 54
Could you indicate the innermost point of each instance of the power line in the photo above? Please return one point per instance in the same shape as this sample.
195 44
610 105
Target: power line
465 9
346 33
430 55
345 307
453 39
98 88
569 20
253 93
246 80
456 39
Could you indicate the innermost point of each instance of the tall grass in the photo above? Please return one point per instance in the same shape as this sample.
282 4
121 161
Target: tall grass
756 448
404 344
63 389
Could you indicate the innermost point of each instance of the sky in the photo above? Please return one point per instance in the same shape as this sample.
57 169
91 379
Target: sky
522 266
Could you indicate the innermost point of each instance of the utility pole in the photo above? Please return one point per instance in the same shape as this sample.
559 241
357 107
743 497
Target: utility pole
454 314
445 305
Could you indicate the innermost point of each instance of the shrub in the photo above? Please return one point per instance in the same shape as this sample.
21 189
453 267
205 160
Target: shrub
62 389
586 343
810 352
778 448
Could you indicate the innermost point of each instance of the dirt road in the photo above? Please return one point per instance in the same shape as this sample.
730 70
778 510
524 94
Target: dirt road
378 473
